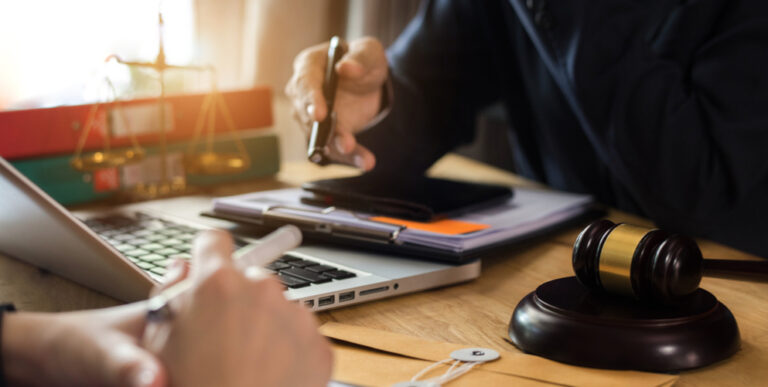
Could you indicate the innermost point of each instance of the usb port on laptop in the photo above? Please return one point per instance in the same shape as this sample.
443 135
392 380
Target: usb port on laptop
348 296
323 301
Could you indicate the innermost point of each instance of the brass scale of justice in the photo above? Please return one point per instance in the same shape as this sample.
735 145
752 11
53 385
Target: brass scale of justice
207 161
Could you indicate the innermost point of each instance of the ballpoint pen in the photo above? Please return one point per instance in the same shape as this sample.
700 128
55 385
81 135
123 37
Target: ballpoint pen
317 150
269 249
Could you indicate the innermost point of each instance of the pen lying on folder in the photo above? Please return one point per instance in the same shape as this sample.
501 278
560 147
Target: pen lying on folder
317 151
272 247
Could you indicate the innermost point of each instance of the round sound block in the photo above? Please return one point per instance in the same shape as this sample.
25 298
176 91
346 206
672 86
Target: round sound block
564 321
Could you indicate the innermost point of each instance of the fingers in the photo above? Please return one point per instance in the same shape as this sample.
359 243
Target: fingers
128 318
362 73
313 361
316 347
156 332
212 250
306 84
126 364
364 67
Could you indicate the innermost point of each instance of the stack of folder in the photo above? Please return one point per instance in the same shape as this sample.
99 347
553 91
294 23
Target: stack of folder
41 142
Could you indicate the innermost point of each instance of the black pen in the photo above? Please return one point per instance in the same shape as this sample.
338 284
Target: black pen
317 151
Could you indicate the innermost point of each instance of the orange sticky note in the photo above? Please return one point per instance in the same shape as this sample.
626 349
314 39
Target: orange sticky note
443 226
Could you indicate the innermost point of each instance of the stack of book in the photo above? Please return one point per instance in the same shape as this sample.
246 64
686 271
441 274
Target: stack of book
41 142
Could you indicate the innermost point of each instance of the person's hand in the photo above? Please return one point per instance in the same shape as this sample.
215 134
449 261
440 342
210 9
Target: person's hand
233 329
91 348
362 72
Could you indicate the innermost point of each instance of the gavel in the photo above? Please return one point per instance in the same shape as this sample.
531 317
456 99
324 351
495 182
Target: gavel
650 264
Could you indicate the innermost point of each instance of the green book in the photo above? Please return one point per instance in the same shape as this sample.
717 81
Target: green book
57 178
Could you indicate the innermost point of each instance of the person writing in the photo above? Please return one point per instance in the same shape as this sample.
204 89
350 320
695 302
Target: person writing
230 329
657 108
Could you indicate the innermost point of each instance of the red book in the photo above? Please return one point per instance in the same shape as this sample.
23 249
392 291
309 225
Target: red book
51 131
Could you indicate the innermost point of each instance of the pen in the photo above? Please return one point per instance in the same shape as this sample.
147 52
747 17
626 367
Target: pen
271 247
317 151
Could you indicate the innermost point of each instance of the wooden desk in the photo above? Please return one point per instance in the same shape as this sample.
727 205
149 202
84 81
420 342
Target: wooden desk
475 313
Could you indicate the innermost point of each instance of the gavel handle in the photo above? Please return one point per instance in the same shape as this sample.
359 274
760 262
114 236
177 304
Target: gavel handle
755 271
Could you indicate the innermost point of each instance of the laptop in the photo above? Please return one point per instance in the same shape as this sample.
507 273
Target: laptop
123 251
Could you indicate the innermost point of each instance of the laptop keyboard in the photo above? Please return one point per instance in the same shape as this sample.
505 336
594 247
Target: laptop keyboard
152 244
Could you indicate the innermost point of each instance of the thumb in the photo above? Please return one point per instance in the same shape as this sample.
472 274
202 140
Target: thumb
177 272
124 363
212 249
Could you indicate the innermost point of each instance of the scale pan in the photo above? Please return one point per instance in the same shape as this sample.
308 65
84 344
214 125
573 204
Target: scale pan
106 159
210 163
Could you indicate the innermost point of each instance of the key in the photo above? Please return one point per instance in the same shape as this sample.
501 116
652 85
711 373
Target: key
301 263
143 233
125 247
144 265
167 251
152 246
292 282
170 242
320 268
276 266
159 270
136 253
306 275
152 258
185 237
137 242
164 262
339 274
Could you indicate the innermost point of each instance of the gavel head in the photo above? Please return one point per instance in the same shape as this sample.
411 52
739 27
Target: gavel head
647 264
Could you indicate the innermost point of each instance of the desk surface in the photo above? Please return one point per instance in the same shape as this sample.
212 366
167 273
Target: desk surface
475 313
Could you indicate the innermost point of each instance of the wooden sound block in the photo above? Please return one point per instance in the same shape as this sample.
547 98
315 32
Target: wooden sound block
564 321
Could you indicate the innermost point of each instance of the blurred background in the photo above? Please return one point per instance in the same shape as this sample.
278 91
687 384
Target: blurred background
52 52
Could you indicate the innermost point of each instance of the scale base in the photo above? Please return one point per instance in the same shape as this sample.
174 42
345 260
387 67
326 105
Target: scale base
564 321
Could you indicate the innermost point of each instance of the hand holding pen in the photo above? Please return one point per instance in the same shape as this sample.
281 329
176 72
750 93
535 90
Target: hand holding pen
362 73
232 325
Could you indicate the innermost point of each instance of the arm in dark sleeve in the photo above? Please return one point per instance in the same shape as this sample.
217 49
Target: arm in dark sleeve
441 69
679 115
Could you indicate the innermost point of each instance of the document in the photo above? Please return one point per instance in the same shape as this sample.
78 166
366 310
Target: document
372 357
529 211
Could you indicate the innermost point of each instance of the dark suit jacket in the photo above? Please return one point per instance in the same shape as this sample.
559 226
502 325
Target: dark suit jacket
655 107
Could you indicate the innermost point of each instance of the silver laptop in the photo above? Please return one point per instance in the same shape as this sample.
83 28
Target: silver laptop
123 251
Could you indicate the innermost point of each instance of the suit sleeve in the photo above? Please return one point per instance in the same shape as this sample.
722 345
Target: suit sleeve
436 91
679 112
